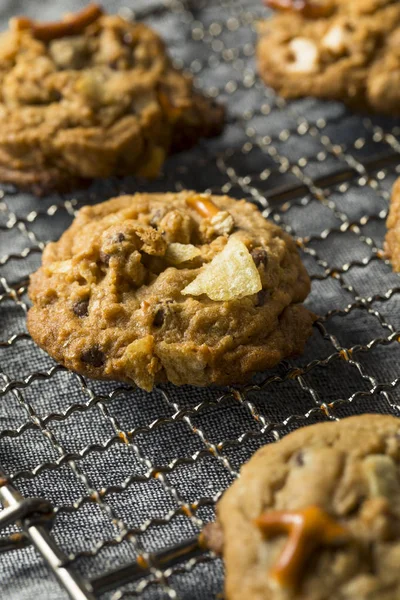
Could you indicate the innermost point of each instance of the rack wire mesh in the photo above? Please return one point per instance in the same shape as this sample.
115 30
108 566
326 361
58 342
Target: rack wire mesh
129 473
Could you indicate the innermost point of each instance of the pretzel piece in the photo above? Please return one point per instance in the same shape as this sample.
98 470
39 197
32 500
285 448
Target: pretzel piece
203 205
71 25
307 8
307 529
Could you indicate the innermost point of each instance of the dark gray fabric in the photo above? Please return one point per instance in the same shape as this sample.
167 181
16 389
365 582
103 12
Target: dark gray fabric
199 438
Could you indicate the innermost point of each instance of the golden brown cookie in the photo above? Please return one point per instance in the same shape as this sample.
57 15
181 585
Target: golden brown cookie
92 96
316 516
190 288
343 50
392 240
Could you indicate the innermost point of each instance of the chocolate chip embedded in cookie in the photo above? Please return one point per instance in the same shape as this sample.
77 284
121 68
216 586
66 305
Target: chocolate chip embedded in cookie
392 240
343 50
185 287
92 96
315 516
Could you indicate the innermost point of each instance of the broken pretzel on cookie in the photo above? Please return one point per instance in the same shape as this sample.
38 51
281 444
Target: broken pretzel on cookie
91 96
188 288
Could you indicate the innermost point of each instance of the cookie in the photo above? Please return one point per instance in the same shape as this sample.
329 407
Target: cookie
92 96
392 240
190 288
341 50
316 516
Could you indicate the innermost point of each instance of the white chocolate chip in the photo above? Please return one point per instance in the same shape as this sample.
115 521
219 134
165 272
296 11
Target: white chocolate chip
305 54
382 476
335 40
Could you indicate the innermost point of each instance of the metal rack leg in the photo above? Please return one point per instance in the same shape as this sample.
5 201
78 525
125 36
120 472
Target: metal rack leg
47 547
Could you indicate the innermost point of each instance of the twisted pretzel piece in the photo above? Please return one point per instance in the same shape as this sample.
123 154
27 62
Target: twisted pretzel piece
72 24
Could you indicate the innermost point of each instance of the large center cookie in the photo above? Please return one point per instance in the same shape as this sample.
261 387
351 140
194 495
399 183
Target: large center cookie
342 49
316 516
92 96
181 287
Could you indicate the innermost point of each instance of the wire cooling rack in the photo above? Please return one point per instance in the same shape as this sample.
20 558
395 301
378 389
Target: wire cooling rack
123 474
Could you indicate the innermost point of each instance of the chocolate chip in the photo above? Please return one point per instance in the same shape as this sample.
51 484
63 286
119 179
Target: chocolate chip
156 218
81 308
127 39
118 238
262 297
93 356
259 256
159 318
299 458
104 257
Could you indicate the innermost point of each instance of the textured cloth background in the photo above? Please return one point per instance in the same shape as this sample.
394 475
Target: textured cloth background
59 434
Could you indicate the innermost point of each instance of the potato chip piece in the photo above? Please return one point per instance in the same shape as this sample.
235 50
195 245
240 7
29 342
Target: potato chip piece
178 253
139 360
60 266
231 275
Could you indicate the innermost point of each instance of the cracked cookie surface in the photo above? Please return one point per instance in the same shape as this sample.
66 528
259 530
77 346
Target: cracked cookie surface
92 96
190 288
333 49
341 476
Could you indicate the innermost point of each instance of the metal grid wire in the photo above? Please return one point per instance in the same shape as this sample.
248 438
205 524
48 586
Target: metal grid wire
130 472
